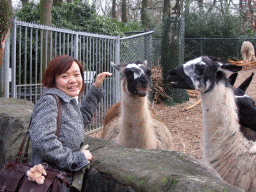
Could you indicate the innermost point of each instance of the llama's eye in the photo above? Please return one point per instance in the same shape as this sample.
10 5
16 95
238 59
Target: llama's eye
201 69
129 73
149 73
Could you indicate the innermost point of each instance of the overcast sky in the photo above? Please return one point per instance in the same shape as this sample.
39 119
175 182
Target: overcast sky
16 3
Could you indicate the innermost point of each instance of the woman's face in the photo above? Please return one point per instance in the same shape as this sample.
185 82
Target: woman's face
70 82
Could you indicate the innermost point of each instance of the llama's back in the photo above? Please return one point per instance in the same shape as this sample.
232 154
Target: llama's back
163 135
111 130
111 122
247 50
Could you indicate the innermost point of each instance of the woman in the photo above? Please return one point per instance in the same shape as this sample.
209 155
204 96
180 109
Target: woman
64 78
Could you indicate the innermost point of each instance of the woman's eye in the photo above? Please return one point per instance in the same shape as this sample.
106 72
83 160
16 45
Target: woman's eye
78 75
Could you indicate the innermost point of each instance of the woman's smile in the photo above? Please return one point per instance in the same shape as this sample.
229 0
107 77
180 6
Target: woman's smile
70 82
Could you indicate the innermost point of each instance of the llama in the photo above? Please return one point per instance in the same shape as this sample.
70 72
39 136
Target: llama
245 104
246 108
130 123
248 52
225 147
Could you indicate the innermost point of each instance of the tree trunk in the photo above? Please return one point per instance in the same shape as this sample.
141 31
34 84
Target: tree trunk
124 17
241 4
200 3
6 14
172 55
45 19
45 12
56 2
250 6
166 8
187 7
143 11
178 7
24 2
114 9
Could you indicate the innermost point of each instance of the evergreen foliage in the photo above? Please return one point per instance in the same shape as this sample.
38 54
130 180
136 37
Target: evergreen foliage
221 24
171 55
79 16
5 18
212 22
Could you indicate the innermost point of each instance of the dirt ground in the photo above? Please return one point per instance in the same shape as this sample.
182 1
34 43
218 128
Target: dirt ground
186 125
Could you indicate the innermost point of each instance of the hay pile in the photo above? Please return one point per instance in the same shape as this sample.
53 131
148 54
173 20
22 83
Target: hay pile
193 93
241 63
158 86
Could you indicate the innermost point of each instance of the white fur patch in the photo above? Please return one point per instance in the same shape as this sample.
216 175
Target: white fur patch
237 96
194 61
138 72
253 149
190 71
208 84
220 63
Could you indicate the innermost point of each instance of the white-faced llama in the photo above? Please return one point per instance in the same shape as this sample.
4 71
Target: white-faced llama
225 147
248 52
130 122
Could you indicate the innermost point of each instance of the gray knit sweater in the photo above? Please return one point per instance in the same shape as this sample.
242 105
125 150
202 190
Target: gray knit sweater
64 152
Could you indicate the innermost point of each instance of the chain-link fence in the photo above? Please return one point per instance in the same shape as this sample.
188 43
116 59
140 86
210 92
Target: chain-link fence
172 53
221 48
136 48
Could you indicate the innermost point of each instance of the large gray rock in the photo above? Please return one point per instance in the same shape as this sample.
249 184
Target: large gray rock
115 168
14 121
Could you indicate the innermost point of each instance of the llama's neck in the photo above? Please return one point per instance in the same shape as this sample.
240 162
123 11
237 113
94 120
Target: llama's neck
135 124
220 120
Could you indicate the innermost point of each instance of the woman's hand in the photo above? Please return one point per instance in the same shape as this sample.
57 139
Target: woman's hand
87 154
100 78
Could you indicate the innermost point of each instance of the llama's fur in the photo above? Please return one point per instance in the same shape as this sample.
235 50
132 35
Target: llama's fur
246 108
132 124
225 147
248 52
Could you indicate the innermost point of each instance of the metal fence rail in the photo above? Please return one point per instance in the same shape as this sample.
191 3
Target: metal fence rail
28 61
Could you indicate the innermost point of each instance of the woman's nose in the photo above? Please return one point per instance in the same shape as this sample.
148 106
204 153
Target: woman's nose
72 79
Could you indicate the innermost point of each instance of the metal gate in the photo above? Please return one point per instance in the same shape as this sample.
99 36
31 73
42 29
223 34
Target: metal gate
26 60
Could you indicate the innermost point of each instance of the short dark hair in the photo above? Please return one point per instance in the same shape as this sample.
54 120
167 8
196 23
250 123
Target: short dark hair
56 67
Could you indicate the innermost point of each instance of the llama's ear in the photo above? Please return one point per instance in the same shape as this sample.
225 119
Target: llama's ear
145 63
232 78
117 67
232 68
246 83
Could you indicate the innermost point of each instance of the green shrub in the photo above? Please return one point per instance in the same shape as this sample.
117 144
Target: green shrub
212 22
78 16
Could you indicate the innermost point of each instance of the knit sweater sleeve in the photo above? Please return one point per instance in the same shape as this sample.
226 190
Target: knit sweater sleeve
44 141
90 103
